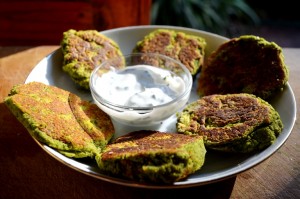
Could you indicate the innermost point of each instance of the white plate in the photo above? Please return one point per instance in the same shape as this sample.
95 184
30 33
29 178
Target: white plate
216 167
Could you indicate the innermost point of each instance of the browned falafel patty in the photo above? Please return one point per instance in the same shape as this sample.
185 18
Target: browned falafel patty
46 113
96 123
232 122
153 156
248 64
83 50
188 49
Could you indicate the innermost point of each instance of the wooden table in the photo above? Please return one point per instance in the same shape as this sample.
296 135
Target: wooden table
27 171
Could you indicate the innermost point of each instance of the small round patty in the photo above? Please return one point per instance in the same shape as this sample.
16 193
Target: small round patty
188 49
232 122
83 50
248 64
153 156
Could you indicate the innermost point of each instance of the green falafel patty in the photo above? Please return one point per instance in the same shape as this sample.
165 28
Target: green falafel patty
84 50
46 113
188 49
247 64
232 123
152 156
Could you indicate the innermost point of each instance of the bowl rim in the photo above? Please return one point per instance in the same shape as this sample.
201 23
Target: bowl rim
120 107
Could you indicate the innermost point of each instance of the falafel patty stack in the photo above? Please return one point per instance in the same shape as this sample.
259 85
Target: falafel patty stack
231 123
60 119
83 50
248 64
186 48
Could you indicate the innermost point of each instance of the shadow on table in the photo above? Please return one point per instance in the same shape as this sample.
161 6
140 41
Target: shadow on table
4 51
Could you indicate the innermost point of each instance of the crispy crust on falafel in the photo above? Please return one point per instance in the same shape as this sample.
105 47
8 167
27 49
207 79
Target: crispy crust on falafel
188 49
46 113
153 156
84 50
232 122
247 64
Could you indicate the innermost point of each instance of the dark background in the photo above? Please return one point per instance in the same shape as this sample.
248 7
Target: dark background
280 21
277 21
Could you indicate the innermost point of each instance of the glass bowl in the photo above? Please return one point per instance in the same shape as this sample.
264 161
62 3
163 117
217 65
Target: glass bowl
141 89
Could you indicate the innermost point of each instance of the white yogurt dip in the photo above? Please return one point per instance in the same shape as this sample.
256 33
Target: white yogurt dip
139 86
131 91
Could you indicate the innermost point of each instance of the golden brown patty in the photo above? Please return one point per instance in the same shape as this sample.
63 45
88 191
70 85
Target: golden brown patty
188 49
153 156
232 122
248 64
96 123
83 50
46 113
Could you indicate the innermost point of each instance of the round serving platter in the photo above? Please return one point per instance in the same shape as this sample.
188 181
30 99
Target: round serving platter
217 166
